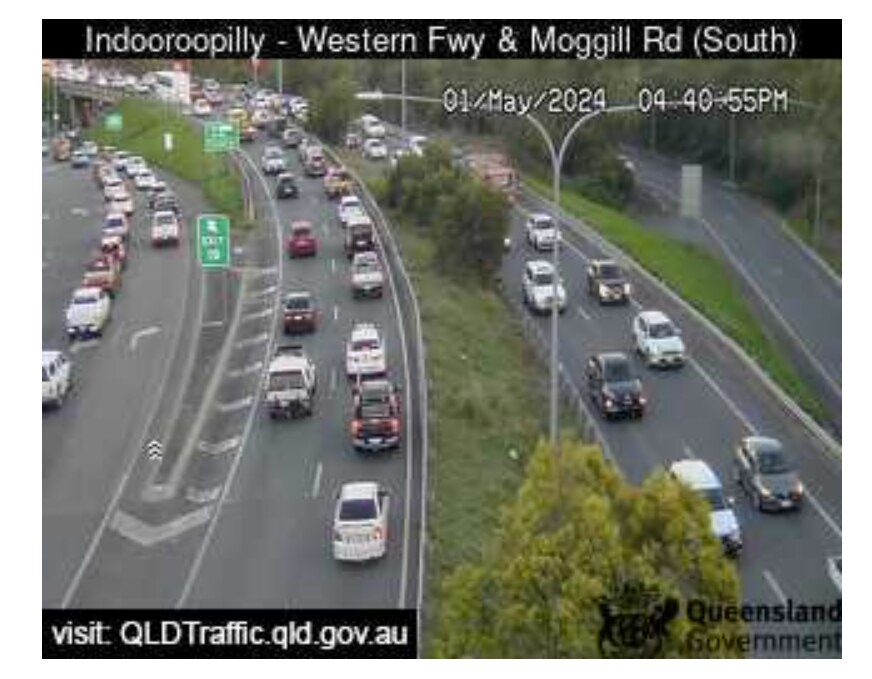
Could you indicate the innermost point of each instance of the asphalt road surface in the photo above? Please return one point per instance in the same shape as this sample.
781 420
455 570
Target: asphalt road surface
794 293
271 543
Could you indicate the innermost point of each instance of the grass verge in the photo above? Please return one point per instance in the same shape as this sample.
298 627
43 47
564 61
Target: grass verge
146 122
488 396
700 279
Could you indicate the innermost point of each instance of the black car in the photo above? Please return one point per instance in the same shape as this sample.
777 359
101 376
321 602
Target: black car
613 387
606 281
292 136
375 424
286 186
768 474
299 313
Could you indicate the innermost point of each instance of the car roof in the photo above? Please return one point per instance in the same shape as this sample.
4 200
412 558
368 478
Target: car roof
87 290
654 317
50 356
164 213
604 262
540 266
299 223
364 330
286 175
115 214
763 443
613 357
368 255
696 474
540 216
298 294
359 490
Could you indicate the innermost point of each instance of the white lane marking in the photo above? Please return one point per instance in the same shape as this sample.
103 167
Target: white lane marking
582 312
237 459
773 583
238 404
333 379
46 216
220 447
823 513
332 265
726 399
257 314
262 293
324 228
213 324
247 370
688 451
335 313
79 212
145 332
316 483
251 341
147 535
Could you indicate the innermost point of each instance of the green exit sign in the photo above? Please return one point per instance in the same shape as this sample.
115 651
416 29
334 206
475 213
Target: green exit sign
213 241
114 122
220 136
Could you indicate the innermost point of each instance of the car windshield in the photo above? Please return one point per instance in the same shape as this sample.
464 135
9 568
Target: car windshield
297 303
286 381
543 223
114 222
617 371
302 232
85 298
45 377
715 498
543 278
662 330
364 344
774 462
358 510
610 272
366 264
274 153
378 409
361 230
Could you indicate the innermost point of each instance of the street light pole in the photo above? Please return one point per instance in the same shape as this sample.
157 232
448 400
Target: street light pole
403 98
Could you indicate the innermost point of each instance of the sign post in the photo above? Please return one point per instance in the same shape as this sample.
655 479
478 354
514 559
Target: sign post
213 241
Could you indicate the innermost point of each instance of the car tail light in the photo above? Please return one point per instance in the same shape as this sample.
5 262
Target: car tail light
377 533
395 425
355 427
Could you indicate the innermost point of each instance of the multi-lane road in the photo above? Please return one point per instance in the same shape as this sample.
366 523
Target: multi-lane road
237 509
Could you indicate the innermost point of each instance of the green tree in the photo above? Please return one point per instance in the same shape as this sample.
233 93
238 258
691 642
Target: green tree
578 536
333 108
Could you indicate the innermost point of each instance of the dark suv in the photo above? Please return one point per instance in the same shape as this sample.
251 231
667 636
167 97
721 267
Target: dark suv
768 474
376 421
613 387
299 313
286 186
607 282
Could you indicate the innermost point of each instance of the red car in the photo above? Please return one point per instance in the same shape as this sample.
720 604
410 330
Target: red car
113 246
301 242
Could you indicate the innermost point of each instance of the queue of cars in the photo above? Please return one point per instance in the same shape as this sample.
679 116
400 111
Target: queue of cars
90 308
360 519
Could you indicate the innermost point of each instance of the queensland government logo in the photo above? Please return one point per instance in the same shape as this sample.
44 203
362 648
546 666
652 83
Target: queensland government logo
635 621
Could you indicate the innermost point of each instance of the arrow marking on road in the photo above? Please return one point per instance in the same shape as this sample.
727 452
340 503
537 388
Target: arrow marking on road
154 449
239 404
151 330
147 535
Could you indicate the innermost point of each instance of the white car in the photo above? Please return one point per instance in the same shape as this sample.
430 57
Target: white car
144 181
87 313
57 378
111 184
116 224
367 278
699 477
348 206
165 228
375 149
202 108
134 165
365 352
657 340
541 231
417 144
121 201
273 160
373 127
360 522
539 287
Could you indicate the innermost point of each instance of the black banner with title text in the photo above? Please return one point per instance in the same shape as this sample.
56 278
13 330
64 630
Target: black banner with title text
443 39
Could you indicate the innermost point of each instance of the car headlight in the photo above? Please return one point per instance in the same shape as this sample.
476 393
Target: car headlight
603 290
763 490
627 288
609 402
799 489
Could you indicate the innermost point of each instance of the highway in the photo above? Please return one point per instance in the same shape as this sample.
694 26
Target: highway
271 544
794 293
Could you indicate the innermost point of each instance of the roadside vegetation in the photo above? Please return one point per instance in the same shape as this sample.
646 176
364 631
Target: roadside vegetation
698 277
576 539
144 126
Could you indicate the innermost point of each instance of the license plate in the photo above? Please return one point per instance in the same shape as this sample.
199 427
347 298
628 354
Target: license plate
375 441
785 503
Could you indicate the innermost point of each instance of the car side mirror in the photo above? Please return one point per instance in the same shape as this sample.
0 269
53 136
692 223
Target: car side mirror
731 501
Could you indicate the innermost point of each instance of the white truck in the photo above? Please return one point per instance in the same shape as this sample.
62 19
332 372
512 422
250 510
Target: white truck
290 383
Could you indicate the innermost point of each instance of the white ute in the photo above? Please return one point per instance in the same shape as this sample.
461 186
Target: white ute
290 383
348 206
360 522
365 352
367 278
57 378
541 232
538 287
657 340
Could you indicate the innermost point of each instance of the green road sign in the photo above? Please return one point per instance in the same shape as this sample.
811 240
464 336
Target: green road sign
114 122
213 241
220 136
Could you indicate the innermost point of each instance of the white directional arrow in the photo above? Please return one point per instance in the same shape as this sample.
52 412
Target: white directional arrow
147 535
154 449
